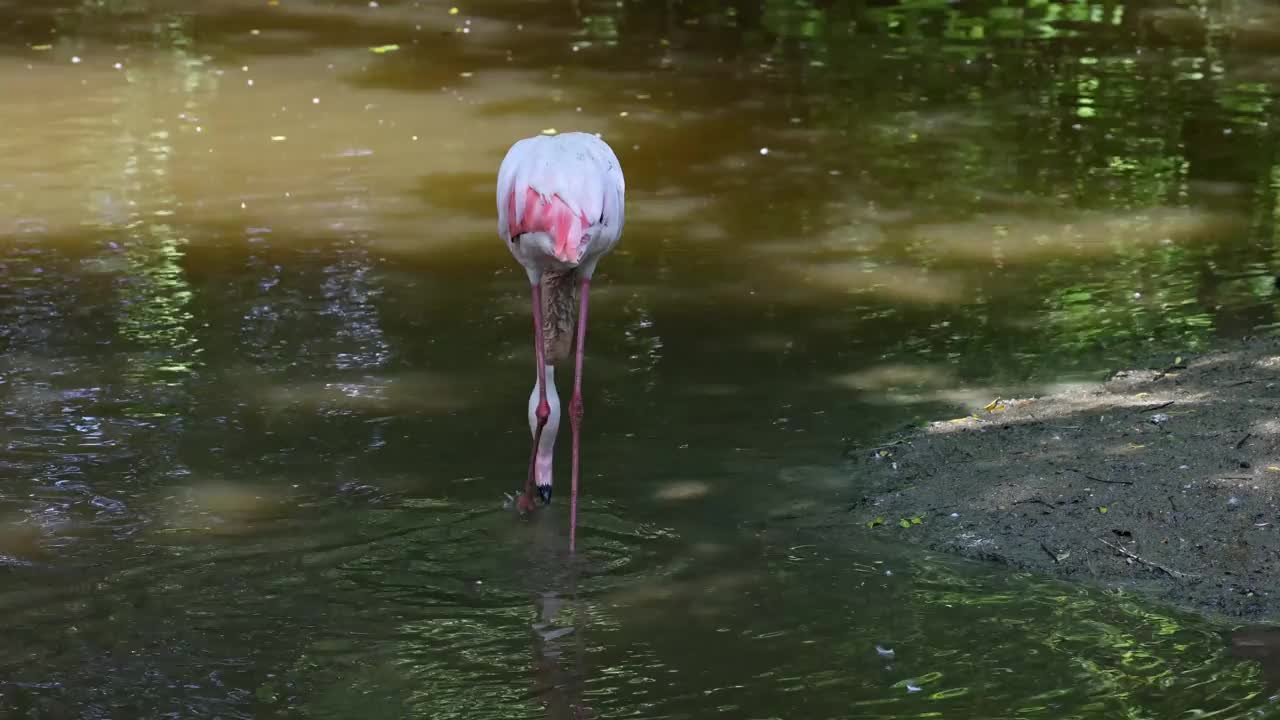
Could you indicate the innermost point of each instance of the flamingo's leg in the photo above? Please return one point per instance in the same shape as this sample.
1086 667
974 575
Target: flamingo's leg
575 410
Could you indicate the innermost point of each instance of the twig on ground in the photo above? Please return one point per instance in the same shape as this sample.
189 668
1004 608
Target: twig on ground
852 452
1161 406
1056 557
1243 440
1087 476
1168 571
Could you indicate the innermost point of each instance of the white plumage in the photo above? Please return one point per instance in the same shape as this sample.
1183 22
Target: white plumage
584 173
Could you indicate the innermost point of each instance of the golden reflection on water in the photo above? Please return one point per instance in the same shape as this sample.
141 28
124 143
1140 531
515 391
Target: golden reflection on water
305 144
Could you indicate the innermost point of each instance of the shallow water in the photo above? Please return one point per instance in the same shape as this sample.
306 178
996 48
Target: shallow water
266 362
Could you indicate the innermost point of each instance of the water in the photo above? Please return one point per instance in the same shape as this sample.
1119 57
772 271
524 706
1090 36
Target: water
266 362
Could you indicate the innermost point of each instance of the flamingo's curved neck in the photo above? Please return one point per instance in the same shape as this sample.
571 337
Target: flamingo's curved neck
547 444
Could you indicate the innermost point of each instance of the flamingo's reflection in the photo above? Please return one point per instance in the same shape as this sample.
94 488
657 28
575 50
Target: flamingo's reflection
559 652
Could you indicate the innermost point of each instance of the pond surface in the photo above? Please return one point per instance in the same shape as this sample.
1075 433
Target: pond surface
266 362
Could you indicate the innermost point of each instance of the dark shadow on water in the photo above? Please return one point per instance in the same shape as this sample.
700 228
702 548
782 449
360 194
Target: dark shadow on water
1262 644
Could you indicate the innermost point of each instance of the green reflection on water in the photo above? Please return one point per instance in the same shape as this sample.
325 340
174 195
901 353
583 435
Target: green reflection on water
155 295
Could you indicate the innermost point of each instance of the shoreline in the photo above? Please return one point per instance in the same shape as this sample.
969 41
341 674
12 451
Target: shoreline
1162 481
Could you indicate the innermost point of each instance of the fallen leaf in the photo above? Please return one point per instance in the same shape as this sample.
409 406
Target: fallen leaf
1103 509
991 406
41 47
874 523
383 49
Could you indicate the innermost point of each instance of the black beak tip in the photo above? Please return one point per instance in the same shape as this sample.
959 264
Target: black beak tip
544 492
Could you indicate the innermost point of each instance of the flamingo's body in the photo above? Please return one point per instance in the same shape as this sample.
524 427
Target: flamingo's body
560 209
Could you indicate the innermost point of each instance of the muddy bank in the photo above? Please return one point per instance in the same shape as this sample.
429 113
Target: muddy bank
1160 480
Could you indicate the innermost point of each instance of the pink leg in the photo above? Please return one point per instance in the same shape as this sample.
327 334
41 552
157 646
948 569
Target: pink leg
525 503
575 411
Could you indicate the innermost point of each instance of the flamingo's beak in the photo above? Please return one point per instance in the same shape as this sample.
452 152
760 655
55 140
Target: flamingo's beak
524 506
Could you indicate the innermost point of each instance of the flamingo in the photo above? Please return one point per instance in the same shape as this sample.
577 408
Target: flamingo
560 210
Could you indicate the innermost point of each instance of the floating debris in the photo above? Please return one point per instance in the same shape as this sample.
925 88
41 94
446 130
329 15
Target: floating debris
383 49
